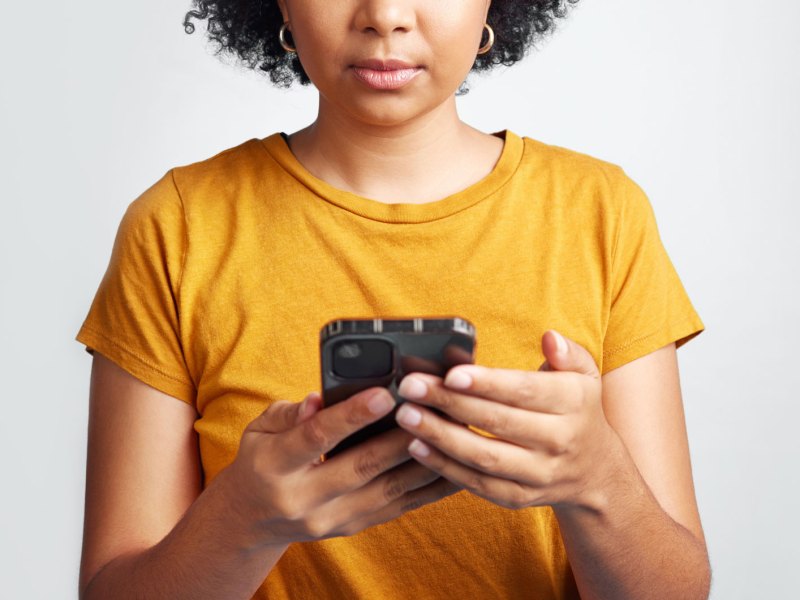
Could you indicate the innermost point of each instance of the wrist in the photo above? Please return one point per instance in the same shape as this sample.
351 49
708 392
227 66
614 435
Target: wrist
613 479
242 519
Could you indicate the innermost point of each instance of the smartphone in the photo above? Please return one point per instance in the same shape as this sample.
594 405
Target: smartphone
357 354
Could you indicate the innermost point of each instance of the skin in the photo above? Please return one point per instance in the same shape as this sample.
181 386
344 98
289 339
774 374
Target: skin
391 146
629 522
149 532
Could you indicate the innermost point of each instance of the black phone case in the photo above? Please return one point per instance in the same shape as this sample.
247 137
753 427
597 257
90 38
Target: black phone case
422 345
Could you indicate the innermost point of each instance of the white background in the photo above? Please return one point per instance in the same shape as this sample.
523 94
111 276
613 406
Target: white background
698 101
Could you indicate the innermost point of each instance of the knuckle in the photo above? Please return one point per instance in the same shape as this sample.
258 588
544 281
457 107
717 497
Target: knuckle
486 460
287 508
316 527
494 421
355 416
489 388
548 475
315 434
258 465
561 442
394 487
430 493
443 401
367 465
476 484
523 497
433 433
520 497
526 388
515 502
511 501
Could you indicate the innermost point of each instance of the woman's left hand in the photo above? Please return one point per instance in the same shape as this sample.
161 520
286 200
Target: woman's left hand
552 444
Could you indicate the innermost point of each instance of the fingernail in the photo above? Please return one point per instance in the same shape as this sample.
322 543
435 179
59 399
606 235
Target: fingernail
458 379
409 416
303 410
380 403
561 343
418 448
412 388
307 405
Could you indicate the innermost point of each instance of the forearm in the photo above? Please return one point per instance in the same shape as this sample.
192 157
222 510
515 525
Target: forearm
212 552
627 547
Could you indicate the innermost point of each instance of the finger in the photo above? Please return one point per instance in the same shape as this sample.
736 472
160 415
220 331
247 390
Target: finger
489 455
521 426
381 491
282 415
529 390
563 354
505 492
312 405
358 466
440 488
318 434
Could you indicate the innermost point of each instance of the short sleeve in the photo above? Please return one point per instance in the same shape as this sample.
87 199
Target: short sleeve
649 307
134 319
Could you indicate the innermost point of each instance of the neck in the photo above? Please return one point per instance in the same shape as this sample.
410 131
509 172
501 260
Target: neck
415 161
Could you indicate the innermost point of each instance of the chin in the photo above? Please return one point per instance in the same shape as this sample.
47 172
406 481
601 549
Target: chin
389 111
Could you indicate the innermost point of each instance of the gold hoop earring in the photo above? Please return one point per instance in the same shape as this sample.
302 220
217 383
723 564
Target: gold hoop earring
490 42
282 37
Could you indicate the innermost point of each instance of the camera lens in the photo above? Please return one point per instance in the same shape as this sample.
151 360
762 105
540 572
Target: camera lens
362 359
349 350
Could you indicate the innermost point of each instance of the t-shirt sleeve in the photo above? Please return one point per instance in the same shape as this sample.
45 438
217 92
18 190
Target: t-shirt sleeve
134 319
649 307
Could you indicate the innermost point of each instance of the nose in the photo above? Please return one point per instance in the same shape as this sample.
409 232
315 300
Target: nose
384 17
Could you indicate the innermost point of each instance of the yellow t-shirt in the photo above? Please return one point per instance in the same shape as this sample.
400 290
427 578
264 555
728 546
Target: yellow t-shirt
224 271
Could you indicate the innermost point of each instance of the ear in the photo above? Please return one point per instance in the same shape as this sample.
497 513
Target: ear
284 10
485 14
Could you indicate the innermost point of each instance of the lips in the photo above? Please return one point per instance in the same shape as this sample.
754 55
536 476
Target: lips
377 64
389 74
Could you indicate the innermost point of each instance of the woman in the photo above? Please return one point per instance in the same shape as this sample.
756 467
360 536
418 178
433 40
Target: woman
389 205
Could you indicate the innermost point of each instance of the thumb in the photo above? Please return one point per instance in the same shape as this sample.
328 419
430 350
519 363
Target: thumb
283 415
562 354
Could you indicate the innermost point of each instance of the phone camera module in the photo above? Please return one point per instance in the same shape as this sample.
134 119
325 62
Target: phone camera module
362 359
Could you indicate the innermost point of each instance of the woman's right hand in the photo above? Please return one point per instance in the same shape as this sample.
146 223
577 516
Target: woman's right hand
279 481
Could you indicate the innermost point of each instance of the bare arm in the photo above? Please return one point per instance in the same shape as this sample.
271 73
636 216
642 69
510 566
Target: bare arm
148 531
645 540
611 457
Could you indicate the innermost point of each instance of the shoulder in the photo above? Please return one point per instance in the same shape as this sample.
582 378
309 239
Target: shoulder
211 182
227 169
568 165
579 179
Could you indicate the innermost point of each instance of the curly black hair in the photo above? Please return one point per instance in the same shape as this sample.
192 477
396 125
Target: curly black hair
248 29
